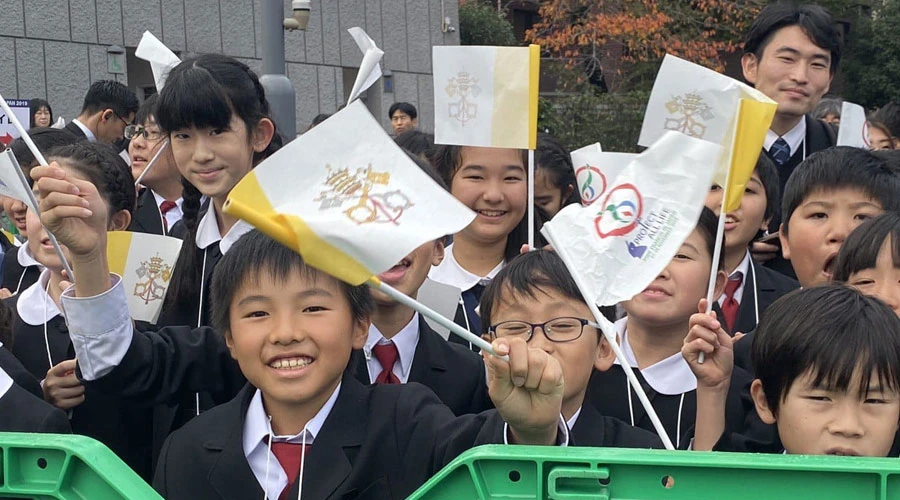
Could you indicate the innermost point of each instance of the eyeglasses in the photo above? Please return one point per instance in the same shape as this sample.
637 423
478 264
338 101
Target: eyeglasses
556 330
149 134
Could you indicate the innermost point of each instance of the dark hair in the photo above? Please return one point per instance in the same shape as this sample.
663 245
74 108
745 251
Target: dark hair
554 159
255 255
889 118
104 169
814 20
203 92
768 176
416 142
405 107
6 330
707 225
147 110
841 167
46 139
861 248
447 159
525 275
35 105
109 94
319 118
830 331
828 106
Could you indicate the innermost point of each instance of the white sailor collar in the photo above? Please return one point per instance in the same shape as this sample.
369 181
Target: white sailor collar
34 305
670 376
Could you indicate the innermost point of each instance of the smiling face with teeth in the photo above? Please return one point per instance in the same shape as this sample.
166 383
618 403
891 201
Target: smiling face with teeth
292 337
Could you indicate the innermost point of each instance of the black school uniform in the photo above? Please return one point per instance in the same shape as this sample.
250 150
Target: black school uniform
593 429
19 374
21 411
378 441
123 428
769 286
146 217
20 270
672 391
453 372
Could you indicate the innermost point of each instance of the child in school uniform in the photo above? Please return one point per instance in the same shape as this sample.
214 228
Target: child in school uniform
826 361
870 259
159 200
22 411
651 336
554 176
826 197
20 269
493 183
750 287
40 335
535 298
291 330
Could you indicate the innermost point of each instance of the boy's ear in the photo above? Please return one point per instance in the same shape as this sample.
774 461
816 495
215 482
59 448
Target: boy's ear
360 332
262 135
762 405
785 245
721 279
438 255
605 355
120 220
229 341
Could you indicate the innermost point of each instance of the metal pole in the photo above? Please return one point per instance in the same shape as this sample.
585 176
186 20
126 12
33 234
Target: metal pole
279 90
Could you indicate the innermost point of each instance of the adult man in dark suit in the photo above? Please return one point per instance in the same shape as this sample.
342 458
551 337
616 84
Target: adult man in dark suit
108 108
791 54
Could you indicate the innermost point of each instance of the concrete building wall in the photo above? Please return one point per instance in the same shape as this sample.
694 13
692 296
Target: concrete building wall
54 49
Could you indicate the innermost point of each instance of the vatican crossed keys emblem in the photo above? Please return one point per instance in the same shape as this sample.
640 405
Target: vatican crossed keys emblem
155 274
690 113
363 195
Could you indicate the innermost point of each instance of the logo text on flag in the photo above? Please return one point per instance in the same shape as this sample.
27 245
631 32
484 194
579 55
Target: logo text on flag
592 182
690 112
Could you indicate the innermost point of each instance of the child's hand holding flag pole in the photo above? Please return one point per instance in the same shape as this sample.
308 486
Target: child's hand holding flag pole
615 247
161 60
353 205
488 97
10 165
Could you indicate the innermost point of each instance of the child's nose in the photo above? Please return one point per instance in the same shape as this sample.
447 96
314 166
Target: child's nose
286 331
846 421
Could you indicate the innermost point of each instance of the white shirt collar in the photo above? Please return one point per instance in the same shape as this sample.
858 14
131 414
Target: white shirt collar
23 255
744 269
406 341
87 131
572 421
670 376
794 137
172 216
450 272
256 450
208 231
35 306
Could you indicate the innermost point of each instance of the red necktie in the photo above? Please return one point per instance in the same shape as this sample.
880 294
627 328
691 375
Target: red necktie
164 208
387 355
289 456
730 305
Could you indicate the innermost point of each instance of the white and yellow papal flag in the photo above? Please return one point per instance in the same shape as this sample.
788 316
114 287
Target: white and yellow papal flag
486 96
12 180
702 103
854 129
160 57
620 243
146 263
352 204
595 168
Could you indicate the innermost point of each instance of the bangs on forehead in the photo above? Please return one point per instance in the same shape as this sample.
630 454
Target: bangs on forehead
280 271
837 374
192 98
861 248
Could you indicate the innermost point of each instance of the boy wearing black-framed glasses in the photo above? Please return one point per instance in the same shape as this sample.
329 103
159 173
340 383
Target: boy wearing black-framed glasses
535 298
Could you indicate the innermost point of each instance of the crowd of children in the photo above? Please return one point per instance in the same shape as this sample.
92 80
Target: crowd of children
265 377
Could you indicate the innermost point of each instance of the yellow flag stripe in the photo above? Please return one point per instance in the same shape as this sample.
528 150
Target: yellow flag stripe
753 121
291 231
534 79
118 244
509 118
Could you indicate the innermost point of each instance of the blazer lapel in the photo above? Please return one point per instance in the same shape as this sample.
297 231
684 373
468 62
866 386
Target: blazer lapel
746 317
358 367
230 475
588 429
426 364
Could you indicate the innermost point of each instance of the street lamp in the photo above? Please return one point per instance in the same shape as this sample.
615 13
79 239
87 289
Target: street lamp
279 89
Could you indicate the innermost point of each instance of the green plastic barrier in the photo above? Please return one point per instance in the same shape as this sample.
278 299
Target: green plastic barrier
524 472
67 467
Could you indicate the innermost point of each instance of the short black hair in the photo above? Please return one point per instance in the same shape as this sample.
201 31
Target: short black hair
406 107
104 168
708 225
45 138
556 162
861 248
768 176
841 167
147 110
416 142
255 255
526 275
889 117
814 20
110 94
831 332
35 105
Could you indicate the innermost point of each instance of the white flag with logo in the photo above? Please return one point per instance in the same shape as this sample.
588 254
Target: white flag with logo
854 129
621 242
595 168
12 180
160 57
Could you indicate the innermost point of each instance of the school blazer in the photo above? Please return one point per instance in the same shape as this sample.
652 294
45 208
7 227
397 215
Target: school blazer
21 411
146 217
452 371
594 429
18 373
379 441
75 130
769 287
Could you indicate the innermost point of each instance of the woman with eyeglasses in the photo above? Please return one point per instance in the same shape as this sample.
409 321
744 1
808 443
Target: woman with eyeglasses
159 199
